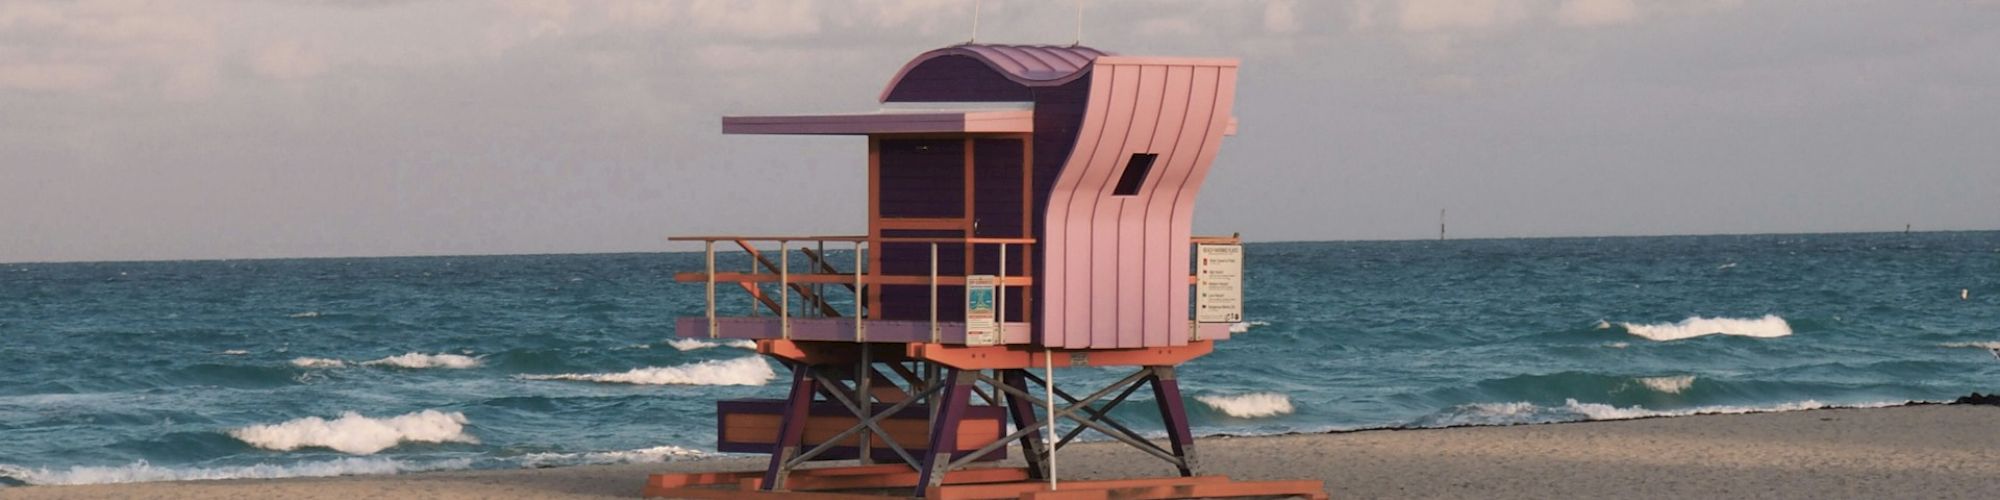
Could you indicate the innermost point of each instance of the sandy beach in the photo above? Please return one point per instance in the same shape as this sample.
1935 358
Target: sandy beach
1930 451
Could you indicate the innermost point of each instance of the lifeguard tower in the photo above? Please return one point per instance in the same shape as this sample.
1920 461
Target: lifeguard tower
1029 208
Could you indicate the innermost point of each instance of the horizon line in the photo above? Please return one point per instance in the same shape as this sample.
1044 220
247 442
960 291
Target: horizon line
1252 242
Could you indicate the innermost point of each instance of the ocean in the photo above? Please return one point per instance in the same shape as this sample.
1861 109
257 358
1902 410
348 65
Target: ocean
146 371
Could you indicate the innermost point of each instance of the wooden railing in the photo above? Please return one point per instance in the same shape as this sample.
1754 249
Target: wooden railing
859 281
809 286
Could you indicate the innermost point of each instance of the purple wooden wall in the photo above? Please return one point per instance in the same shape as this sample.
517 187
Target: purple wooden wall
922 178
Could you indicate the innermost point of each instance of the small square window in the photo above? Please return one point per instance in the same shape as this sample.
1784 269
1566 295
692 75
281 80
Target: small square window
1135 174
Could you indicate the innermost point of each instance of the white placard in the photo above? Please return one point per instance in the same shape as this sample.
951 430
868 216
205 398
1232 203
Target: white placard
981 317
1218 289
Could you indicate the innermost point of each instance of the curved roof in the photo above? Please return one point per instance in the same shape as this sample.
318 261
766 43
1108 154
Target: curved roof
1028 65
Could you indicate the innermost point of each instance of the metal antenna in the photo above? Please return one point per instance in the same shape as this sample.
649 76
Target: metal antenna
975 22
1079 24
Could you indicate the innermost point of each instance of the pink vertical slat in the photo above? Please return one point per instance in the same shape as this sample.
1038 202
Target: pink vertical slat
1147 220
1117 266
1173 254
1123 220
1052 312
1183 212
1085 299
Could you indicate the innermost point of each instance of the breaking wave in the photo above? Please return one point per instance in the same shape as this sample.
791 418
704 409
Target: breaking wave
740 371
141 471
355 434
1669 385
1971 345
1769 326
1245 326
1254 405
318 363
1572 411
421 360
698 344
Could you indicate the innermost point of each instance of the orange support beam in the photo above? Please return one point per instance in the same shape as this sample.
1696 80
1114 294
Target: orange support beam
1020 490
828 353
731 494
905 478
1020 356
1309 489
759 294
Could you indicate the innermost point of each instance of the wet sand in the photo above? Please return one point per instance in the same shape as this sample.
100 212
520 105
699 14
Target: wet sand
1929 451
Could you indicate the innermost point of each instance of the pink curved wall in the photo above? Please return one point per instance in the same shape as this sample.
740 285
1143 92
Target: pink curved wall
1116 267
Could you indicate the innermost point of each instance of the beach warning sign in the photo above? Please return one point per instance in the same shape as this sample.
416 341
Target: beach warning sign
1218 289
982 326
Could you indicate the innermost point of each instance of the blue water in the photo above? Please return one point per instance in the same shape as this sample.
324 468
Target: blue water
141 371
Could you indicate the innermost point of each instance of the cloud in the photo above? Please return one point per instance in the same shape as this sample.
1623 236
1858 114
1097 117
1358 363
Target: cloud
1168 26
1596 12
47 77
1431 15
289 60
641 13
763 19
1281 16
87 46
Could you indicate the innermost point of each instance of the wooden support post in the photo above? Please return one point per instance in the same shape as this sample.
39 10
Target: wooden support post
864 380
1023 411
944 429
711 251
792 429
1173 414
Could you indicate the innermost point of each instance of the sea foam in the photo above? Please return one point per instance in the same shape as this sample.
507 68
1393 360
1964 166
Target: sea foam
1253 405
303 362
1971 345
421 360
355 434
1571 411
652 455
1769 326
1244 326
698 344
1669 385
740 371
141 471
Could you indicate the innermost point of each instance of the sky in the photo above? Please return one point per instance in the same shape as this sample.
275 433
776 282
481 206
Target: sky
134 130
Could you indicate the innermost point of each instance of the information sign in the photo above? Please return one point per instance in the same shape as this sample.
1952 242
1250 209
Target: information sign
1218 283
981 324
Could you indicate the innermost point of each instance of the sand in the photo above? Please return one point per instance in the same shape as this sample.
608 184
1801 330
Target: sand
1933 451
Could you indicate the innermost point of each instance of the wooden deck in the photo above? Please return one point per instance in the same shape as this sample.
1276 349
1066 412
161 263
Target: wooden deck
874 482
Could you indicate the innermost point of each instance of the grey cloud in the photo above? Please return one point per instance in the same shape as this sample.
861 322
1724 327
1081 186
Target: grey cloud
274 129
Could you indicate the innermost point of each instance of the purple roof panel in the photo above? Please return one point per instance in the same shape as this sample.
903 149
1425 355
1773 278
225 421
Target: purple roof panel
1026 65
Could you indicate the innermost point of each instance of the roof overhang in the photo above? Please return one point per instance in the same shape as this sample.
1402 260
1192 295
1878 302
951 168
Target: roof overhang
887 122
